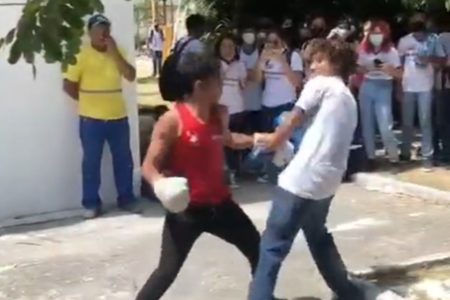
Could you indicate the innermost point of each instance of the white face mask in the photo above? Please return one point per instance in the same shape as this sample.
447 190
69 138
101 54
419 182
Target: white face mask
249 38
376 39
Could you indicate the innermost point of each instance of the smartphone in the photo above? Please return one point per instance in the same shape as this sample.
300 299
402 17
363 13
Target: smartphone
377 63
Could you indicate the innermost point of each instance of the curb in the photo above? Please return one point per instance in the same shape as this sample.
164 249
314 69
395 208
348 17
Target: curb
384 184
425 262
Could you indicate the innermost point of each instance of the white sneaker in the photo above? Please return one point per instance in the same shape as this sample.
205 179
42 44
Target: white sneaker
263 179
233 182
91 214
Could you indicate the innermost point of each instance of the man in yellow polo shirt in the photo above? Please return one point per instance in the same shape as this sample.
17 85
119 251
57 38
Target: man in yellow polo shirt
96 82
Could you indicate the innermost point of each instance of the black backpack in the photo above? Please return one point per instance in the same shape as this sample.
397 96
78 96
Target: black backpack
170 80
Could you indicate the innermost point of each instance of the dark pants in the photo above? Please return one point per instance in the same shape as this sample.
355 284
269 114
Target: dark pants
227 221
253 122
442 125
269 115
233 157
157 62
94 134
288 215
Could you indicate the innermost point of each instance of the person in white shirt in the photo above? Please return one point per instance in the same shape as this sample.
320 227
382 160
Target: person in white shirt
420 52
379 62
249 56
234 77
306 187
156 47
280 71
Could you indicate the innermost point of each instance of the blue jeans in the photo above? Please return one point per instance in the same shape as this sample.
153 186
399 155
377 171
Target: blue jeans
423 100
376 105
288 215
157 62
94 134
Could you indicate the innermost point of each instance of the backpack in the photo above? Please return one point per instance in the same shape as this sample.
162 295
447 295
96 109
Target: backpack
170 80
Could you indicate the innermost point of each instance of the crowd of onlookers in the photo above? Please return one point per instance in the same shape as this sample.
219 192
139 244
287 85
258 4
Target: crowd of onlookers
409 75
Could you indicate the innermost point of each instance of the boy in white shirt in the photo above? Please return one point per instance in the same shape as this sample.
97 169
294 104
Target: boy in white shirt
420 52
156 46
306 187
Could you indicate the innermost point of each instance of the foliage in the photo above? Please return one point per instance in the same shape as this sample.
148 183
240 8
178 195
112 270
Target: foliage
55 27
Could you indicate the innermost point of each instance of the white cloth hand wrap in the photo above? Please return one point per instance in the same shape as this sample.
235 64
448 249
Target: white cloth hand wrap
173 192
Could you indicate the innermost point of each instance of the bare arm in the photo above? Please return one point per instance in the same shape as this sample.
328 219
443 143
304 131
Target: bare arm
233 140
71 88
125 69
294 77
164 135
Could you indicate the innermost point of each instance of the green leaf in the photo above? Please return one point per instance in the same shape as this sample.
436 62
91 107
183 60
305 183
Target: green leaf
15 53
10 36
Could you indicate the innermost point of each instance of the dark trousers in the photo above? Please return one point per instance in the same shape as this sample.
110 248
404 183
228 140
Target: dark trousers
94 134
253 122
442 125
233 157
157 62
227 221
288 215
269 115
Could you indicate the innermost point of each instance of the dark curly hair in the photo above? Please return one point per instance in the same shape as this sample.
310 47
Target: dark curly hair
341 55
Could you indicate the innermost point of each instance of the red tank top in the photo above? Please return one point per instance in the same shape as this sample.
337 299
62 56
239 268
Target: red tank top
198 155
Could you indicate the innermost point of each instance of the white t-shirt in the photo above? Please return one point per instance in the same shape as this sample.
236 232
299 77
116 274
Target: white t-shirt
157 42
367 60
318 167
232 96
253 91
278 90
415 78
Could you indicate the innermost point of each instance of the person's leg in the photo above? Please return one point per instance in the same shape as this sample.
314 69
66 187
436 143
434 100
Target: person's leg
436 124
155 62
445 126
119 142
285 220
425 108
325 253
383 113
92 135
408 111
159 62
366 95
179 235
235 227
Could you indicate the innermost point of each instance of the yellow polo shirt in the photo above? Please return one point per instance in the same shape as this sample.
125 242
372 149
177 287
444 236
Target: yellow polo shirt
100 85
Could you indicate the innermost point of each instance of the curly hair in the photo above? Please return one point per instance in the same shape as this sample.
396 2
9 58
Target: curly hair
341 55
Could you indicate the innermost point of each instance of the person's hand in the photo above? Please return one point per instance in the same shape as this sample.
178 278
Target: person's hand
111 45
265 57
262 140
388 69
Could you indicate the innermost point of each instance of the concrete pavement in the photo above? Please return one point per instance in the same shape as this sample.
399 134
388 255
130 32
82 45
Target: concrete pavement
111 257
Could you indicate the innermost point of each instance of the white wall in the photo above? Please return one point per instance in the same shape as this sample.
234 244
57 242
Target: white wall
40 152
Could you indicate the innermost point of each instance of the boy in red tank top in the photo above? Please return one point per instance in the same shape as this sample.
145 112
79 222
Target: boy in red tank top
188 142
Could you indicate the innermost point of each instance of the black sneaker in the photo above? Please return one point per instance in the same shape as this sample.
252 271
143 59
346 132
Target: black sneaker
405 158
132 208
